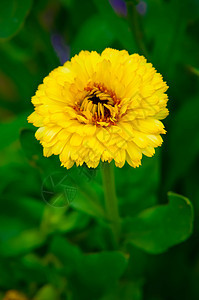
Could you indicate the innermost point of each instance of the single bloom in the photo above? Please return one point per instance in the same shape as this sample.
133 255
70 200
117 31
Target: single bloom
101 107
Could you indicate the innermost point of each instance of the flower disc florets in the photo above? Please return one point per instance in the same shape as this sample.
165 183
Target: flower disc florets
101 107
101 103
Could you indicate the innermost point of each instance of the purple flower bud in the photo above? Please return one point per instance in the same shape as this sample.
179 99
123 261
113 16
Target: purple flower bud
119 7
141 8
60 47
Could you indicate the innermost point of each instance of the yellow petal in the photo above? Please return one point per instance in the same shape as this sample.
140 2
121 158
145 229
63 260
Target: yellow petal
76 140
149 125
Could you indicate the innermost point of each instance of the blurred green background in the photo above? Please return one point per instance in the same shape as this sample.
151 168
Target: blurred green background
54 241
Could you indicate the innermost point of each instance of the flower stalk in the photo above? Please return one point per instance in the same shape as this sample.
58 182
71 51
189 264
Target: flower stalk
134 22
111 201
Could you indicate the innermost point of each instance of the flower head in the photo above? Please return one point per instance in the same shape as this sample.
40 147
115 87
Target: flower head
101 107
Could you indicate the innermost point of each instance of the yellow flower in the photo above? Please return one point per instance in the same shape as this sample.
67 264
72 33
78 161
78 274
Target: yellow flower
14 295
101 107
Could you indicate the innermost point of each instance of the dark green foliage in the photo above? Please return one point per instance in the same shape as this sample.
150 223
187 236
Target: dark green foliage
58 245
13 14
160 227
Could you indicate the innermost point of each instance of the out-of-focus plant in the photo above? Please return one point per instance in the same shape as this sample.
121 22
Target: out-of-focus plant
61 237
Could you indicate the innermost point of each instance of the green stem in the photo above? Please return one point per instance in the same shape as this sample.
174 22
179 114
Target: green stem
111 202
135 25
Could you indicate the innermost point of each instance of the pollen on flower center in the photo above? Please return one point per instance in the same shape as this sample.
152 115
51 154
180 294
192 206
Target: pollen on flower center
100 102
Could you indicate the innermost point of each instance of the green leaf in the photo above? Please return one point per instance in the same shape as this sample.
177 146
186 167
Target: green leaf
22 243
34 153
101 270
10 131
88 204
47 292
67 3
61 220
158 228
66 252
30 264
89 192
12 16
29 214
72 221
180 146
118 26
98 273
169 38
92 272
105 24
126 290
30 145
10 227
130 187
90 35
194 70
